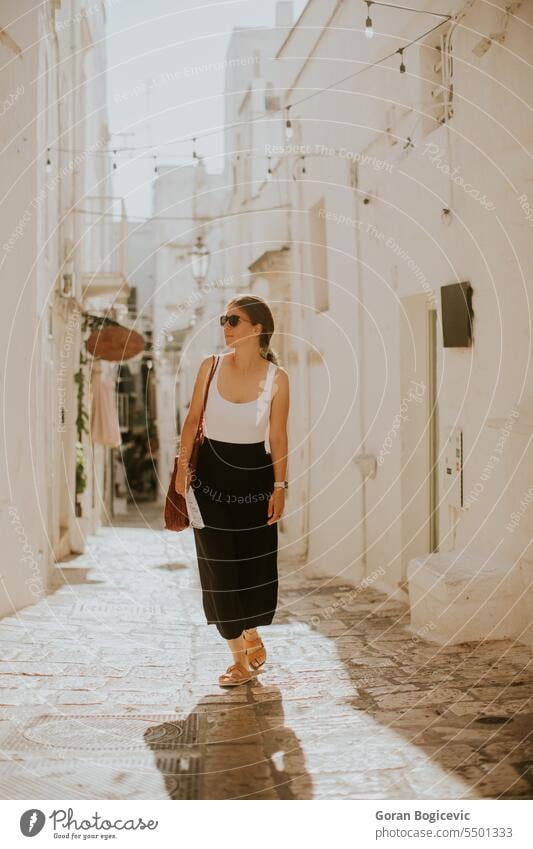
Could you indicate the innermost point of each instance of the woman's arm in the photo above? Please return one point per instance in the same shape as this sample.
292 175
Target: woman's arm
279 443
190 425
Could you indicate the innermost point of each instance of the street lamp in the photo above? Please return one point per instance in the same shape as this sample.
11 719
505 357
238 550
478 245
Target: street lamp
199 260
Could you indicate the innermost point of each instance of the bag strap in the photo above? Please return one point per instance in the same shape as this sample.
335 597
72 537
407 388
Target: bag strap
201 420
213 367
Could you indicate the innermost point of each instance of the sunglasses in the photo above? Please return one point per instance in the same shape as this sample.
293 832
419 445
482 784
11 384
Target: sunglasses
232 320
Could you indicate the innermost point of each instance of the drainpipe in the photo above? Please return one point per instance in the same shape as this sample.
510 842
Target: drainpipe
301 328
362 458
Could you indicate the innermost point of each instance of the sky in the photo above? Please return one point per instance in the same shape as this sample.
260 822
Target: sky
165 83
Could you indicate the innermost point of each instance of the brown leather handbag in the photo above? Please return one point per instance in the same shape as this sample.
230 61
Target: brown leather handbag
176 516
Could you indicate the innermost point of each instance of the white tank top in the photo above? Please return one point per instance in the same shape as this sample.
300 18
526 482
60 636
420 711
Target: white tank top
231 421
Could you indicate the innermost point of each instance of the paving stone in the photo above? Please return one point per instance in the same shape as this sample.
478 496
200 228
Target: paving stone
108 689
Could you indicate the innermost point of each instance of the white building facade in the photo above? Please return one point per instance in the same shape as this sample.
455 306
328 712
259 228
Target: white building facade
398 183
57 255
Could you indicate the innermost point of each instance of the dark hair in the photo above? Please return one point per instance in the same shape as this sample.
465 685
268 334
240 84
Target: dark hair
258 311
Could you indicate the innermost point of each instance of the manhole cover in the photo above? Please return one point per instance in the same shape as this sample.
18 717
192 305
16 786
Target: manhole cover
170 735
113 733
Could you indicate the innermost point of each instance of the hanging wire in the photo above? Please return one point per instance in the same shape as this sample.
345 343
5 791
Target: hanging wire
367 67
315 93
406 8
201 218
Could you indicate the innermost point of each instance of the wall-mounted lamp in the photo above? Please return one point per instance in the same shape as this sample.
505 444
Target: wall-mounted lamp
199 260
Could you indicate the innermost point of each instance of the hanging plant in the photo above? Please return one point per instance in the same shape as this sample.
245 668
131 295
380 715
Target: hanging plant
82 418
81 480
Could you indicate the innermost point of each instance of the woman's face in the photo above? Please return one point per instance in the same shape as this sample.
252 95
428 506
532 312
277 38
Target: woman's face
243 332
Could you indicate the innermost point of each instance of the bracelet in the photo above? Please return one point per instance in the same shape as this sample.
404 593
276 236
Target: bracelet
281 484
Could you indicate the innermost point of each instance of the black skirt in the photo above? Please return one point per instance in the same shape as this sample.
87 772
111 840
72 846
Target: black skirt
237 550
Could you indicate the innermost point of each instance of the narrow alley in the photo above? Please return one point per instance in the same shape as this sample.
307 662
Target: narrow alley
109 691
266 336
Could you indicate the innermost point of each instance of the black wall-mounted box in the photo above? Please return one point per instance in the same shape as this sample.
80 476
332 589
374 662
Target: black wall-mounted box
457 315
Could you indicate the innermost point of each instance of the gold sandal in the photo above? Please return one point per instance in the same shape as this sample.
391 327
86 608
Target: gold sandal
257 655
234 674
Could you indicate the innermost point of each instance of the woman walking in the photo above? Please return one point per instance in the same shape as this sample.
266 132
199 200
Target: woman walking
239 481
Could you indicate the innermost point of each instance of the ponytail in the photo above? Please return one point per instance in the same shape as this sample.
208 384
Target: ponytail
269 354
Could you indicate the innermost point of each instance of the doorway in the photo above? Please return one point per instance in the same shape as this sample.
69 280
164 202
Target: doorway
419 430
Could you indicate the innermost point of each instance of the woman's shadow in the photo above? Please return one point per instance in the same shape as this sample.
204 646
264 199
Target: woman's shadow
232 746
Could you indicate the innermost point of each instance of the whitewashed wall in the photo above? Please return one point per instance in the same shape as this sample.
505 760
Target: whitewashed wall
44 54
386 261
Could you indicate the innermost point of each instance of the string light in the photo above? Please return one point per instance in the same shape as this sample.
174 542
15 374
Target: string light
369 28
377 62
288 126
194 154
269 172
155 164
402 66
48 161
114 161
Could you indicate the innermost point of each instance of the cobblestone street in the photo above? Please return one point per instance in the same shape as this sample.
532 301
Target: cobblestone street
109 691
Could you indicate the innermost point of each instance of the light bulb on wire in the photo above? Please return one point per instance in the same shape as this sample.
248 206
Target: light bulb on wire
48 161
194 154
402 66
369 27
269 172
288 125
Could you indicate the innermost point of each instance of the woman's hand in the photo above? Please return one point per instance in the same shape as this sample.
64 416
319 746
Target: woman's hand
183 480
276 504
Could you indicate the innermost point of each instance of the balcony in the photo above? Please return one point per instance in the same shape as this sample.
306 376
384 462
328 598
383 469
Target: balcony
104 250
